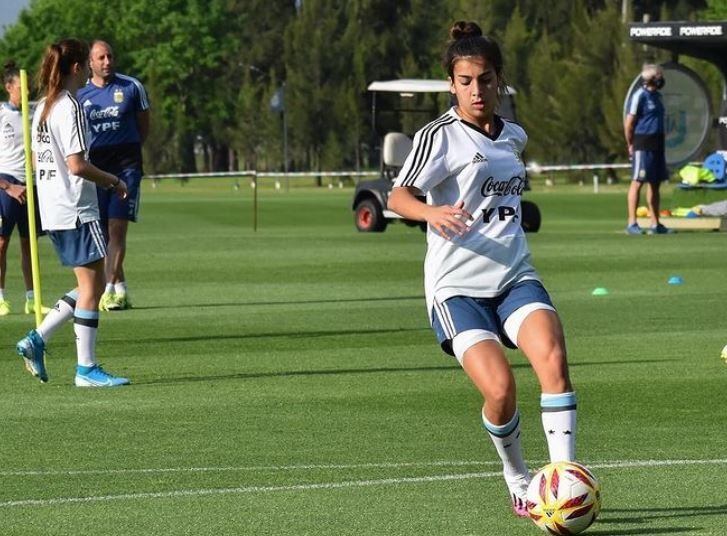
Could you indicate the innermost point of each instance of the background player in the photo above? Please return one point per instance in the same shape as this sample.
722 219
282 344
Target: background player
644 132
69 211
117 110
481 289
12 188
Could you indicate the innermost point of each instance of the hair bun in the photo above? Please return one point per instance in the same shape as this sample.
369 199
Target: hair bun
463 29
10 65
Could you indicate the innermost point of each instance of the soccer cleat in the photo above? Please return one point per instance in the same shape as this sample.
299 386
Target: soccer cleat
517 485
106 299
32 349
119 302
4 308
660 229
633 229
95 376
519 507
30 308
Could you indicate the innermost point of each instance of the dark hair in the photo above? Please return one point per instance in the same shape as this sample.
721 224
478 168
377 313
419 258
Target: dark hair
466 41
59 58
10 71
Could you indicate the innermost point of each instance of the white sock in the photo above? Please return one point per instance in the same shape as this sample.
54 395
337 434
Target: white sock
29 295
85 324
109 288
120 287
2 294
506 439
61 313
559 424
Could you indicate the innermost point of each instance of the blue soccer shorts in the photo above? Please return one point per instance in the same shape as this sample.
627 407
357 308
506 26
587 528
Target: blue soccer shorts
111 206
13 213
462 321
649 166
80 246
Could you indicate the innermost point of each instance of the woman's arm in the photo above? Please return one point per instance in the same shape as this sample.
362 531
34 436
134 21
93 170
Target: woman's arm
447 220
81 167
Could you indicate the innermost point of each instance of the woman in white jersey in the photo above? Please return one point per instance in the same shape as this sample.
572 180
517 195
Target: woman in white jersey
481 290
69 211
13 211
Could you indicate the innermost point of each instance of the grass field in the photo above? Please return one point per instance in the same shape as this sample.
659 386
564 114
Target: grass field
285 381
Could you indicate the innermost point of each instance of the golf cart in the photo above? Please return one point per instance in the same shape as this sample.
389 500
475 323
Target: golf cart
370 197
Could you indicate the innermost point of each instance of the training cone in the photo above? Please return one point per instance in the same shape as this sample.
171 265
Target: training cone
675 280
599 291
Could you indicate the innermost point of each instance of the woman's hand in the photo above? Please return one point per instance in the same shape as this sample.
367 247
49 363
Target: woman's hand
449 220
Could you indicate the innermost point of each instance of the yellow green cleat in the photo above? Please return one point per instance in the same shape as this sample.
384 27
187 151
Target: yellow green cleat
107 298
30 308
4 308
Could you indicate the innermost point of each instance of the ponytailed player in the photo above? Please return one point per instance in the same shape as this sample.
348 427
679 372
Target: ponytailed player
481 290
69 211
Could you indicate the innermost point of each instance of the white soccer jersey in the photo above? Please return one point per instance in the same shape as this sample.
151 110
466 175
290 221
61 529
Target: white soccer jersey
12 149
453 160
65 199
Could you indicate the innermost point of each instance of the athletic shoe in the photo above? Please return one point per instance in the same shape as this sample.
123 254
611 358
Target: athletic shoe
660 229
517 485
95 376
633 229
4 308
30 308
119 302
106 299
32 349
519 507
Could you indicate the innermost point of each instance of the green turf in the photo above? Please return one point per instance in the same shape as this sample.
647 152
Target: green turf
286 381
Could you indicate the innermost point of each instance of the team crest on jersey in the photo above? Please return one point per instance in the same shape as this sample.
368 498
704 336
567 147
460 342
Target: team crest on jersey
8 131
118 96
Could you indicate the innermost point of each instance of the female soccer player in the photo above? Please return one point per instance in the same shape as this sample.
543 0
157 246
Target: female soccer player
69 211
481 290
12 188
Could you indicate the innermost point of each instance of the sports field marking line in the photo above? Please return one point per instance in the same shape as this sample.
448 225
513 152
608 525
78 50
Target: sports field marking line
383 465
328 485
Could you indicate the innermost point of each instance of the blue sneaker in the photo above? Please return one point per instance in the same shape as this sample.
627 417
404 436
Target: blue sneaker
633 229
95 376
32 349
660 229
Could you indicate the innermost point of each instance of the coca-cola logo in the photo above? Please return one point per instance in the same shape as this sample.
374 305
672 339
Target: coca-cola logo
514 186
104 113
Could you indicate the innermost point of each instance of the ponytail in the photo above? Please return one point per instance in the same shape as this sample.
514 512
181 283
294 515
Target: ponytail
57 63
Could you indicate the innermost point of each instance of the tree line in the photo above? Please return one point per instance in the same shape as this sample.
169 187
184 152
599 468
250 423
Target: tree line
211 68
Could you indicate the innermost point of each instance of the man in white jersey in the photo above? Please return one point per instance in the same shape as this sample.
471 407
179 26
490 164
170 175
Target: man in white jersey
482 291
13 211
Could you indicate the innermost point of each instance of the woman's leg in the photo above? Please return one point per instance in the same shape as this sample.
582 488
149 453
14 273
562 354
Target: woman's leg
488 368
540 337
90 287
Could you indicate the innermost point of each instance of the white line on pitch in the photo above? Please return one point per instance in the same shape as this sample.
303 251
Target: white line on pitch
329 485
382 465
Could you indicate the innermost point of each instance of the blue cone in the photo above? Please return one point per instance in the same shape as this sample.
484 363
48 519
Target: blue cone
675 280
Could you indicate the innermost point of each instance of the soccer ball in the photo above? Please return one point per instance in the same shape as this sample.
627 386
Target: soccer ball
564 498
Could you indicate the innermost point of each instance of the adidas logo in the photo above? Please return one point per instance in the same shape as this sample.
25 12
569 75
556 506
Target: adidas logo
479 159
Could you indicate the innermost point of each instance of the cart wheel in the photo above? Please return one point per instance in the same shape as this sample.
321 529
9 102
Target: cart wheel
369 217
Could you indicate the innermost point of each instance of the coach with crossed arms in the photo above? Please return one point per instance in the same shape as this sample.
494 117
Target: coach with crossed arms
117 109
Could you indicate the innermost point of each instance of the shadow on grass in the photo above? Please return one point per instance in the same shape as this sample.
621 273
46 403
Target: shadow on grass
289 373
325 372
643 516
292 302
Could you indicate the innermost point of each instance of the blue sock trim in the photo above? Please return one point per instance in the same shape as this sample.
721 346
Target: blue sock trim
558 402
86 314
73 294
502 430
